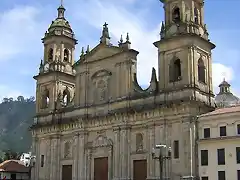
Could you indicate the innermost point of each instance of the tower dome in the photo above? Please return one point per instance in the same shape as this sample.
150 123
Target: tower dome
225 98
60 26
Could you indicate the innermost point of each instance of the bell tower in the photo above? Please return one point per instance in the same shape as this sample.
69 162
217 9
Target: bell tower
56 78
184 52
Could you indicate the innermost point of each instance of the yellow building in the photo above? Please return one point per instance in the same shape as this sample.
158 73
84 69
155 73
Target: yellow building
93 120
219 138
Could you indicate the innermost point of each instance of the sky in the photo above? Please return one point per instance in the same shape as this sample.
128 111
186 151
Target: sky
24 22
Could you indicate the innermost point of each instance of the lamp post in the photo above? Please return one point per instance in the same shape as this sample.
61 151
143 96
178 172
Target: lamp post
161 157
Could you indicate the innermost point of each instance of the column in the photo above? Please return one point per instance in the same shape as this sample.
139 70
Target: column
116 153
34 152
88 166
72 56
75 156
81 157
151 144
38 160
62 52
124 153
54 51
53 167
58 158
48 158
118 75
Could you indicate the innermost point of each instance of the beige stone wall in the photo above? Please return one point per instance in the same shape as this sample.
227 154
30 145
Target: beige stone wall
110 137
105 76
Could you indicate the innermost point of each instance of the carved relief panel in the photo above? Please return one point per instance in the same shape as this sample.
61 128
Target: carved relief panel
101 84
67 149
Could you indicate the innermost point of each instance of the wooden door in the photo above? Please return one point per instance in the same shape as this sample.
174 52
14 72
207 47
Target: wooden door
139 169
67 172
101 168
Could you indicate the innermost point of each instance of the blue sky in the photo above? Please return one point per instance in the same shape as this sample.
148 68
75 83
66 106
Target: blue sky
23 24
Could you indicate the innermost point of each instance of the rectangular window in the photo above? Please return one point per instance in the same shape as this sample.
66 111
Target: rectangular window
238 129
205 178
238 155
42 160
221 175
223 131
238 174
221 156
204 157
206 132
176 149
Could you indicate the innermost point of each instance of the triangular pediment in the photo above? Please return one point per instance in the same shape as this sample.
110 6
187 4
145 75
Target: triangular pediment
101 52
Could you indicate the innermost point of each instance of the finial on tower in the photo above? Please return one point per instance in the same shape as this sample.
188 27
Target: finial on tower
88 49
61 10
120 42
82 53
105 38
128 39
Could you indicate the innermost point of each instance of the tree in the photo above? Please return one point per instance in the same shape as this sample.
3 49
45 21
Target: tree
20 98
10 155
5 100
15 120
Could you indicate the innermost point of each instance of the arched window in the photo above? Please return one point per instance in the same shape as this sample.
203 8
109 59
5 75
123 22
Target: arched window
50 54
176 14
139 142
201 71
196 16
66 55
66 97
45 99
175 70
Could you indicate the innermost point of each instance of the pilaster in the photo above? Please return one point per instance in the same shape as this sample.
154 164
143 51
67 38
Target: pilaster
151 144
48 158
125 153
116 152
118 83
62 51
54 51
38 158
54 158
75 156
34 152
58 157
82 157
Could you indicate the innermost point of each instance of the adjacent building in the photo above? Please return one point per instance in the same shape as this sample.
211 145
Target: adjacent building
219 138
94 121
14 170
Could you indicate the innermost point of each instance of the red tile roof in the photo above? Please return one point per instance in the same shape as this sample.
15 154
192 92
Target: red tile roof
13 166
223 111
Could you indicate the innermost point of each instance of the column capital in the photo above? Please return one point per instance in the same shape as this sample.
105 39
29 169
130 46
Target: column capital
125 127
81 133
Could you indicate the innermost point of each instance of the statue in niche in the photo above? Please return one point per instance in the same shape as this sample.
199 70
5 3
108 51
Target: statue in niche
102 89
66 149
139 142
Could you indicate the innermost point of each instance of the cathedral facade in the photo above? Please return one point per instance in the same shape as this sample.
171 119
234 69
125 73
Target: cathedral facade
94 122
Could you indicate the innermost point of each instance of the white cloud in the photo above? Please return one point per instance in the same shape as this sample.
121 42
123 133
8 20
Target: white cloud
19 29
7 92
220 72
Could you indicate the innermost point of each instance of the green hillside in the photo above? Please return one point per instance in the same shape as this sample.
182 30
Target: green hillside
15 118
